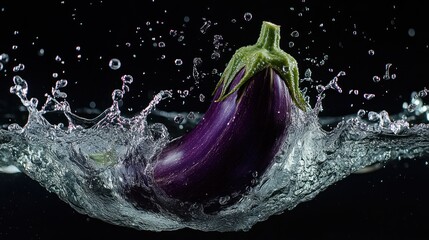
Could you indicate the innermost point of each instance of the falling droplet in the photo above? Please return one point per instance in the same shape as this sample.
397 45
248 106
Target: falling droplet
178 62
178 118
248 16
4 57
114 64
368 96
202 97
376 79
361 113
295 34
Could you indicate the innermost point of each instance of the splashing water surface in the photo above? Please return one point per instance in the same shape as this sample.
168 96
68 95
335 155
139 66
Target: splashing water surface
83 161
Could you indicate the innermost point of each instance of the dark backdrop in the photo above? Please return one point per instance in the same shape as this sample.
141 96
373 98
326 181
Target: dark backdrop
334 36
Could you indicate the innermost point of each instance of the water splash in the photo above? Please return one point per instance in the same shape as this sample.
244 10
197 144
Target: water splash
83 163
83 160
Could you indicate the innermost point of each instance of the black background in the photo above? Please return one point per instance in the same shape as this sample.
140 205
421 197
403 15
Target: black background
391 203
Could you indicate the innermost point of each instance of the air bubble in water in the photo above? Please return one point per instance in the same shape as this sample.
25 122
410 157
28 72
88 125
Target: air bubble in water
114 64
1 66
14 47
161 44
178 62
58 58
371 52
248 16
291 44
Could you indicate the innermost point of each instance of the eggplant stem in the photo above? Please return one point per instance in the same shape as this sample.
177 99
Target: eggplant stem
266 53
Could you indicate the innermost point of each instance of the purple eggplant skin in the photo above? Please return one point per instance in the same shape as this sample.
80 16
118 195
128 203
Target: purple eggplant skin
235 142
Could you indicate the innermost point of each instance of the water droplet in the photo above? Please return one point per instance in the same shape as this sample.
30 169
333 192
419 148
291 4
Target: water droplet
361 113
127 79
1 66
205 26
285 69
14 127
78 48
224 200
178 62
161 44
14 47
114 64
19 67
41 52
368 96
248 16
4 57
373 116
202 97
178 118
217 41
423 93
215 55
128 44
295 34
173 32
291 44
371 52
320 88
411 107
61 83
399 126
92 104
387 74
58 58
117 95
376 79
411 32
191 115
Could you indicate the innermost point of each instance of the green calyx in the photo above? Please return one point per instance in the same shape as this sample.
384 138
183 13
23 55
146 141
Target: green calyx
266 53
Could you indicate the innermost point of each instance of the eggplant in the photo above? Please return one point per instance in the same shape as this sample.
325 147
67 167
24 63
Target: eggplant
242 130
